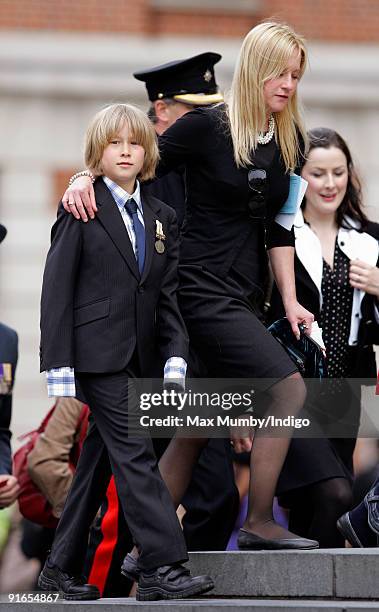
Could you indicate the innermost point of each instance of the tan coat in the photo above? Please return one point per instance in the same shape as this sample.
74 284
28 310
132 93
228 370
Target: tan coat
48 462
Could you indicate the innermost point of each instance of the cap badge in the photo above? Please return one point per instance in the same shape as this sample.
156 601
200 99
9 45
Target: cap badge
207 76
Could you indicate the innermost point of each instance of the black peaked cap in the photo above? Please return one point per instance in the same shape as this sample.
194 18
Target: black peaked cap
190 80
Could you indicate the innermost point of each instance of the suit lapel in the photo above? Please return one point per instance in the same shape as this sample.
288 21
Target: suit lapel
150 215
308 250
358 245
110 218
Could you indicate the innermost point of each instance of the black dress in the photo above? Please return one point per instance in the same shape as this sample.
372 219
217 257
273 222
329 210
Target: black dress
223 254
313 460
337 296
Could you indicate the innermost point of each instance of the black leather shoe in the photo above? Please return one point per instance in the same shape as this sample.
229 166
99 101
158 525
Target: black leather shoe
372 504
357 533
71 587
171 582
360 526
250 541
130 568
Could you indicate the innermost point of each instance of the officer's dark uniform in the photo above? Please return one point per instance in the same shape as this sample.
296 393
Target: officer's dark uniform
191 82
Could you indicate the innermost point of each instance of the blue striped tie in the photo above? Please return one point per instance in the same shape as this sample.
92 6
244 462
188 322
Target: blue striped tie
139 230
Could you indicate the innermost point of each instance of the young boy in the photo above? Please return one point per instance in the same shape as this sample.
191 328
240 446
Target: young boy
108 305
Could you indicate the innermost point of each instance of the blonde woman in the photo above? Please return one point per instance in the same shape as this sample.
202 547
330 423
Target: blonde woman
238 159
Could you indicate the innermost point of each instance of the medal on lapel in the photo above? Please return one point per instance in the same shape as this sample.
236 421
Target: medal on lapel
159 237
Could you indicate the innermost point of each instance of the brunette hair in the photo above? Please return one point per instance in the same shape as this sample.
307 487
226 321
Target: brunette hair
351 205
104 127
264 54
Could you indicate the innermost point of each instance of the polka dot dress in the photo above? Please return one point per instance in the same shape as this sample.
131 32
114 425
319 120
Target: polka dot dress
336 312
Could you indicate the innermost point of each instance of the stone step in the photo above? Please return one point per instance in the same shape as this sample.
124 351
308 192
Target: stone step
347 573
262 581
194 605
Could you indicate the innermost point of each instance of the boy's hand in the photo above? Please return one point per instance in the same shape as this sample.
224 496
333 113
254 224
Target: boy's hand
79 199
9 490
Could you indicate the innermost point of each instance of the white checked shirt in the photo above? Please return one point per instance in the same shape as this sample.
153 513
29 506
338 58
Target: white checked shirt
61 381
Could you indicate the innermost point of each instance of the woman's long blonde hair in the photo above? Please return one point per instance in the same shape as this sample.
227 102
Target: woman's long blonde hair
264 54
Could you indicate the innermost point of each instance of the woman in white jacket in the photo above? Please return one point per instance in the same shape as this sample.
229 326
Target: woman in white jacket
337 279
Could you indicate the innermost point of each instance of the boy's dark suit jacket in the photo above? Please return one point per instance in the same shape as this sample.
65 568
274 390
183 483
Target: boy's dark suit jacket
96 310
8 354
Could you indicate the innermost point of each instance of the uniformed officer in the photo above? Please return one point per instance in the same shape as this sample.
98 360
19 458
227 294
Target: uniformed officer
174 89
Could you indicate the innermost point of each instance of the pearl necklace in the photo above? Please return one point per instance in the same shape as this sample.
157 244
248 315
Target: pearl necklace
267 137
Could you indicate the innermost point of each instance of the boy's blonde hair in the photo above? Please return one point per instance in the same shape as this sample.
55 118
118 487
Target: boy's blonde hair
104 127
264 54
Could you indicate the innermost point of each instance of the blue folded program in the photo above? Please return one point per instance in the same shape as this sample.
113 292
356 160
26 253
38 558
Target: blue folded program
291 205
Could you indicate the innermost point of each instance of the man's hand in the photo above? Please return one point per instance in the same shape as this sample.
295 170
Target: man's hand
241 439
298 315
365 277
79 199
9 490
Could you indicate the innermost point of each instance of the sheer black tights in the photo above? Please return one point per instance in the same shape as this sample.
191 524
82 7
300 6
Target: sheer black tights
270 445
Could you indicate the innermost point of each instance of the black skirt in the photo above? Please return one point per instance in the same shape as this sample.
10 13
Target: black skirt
225 331
311 460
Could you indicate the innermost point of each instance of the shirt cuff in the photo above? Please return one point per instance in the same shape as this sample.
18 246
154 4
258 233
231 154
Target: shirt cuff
175 371
316 335
61 382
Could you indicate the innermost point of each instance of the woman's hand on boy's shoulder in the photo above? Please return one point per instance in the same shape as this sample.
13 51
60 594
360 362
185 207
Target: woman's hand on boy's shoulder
79 199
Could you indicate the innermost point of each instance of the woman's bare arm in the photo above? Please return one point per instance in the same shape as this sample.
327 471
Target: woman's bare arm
282 263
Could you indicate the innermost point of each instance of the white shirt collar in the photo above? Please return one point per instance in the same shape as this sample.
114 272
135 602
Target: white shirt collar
121 196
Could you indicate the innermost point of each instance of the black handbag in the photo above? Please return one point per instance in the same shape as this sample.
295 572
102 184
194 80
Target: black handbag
305 353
